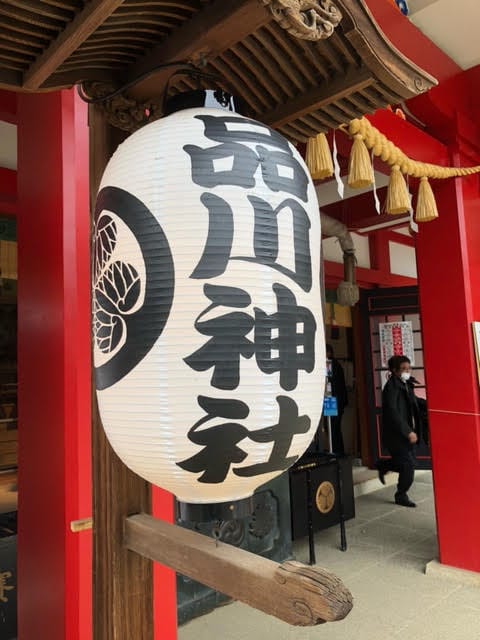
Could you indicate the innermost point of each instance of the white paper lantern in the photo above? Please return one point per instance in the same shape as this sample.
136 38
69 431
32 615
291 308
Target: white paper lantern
209 345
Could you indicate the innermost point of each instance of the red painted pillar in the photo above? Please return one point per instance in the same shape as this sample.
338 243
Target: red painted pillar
54 564
449 279
164 580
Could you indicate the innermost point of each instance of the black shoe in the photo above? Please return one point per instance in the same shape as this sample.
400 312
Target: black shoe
403 500
381 472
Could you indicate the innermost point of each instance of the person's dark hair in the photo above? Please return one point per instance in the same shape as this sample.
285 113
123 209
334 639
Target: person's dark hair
329 350
395 362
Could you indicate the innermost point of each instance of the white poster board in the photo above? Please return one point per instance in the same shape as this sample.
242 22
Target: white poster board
396 339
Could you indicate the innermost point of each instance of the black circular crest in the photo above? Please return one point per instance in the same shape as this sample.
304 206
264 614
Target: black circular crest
119 327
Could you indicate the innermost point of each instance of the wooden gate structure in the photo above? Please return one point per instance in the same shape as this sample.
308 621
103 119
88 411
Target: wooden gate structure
302 67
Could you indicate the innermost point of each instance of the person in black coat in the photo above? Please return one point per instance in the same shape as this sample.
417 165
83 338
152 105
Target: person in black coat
336 378
400 417
422 428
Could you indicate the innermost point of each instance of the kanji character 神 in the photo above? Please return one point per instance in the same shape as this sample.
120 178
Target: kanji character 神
283 342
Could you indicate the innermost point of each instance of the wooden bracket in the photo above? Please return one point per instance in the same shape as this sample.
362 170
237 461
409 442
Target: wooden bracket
295 593
81 525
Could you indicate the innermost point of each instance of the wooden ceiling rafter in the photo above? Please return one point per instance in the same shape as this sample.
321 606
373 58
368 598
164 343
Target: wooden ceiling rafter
76 32
74 5
318 97
302 66
289 50
271 67
46 10
210 32
31 17
11 24
19 38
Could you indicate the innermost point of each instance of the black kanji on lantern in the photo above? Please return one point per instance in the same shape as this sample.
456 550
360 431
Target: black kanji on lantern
228 336
228 128
228 163
244 154
281 434
283 341
234 163
220 442
218 247
266 240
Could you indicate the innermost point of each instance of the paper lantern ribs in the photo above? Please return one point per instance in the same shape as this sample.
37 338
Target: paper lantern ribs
208 338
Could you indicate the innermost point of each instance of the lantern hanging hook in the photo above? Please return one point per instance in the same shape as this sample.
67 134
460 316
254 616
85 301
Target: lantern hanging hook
181 67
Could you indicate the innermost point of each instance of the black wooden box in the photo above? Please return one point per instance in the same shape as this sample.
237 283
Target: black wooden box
324 492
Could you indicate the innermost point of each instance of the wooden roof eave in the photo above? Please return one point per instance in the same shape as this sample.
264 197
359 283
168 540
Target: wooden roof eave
384 60
333 69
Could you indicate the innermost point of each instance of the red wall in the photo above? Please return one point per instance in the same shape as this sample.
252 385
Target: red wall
54 564
448 267
449 280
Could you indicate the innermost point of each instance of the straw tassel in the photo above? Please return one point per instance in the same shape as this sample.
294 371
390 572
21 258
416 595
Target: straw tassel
398 199
360 170
426 205
319 158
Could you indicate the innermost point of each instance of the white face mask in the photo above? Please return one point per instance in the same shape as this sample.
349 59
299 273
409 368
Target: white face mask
405 376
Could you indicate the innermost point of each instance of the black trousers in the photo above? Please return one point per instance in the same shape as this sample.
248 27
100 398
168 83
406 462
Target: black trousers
337 436
403 463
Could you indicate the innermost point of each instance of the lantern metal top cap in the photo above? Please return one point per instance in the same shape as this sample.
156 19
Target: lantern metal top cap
209 98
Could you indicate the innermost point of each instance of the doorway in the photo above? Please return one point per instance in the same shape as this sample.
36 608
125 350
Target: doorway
392 326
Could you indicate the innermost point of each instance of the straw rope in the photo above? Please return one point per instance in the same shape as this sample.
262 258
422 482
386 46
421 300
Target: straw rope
392 155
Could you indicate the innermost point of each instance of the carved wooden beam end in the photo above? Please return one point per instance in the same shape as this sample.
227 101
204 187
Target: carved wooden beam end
122 111
320 595
293 592
306 19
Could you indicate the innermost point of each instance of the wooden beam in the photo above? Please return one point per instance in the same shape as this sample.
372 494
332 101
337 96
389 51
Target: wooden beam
213 30
367 225
326 94
82 26
295 593
122 581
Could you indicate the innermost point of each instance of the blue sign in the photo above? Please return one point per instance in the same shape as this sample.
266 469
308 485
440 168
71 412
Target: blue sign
330 407
403 6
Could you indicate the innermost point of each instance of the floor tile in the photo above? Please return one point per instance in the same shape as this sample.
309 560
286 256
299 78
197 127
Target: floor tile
384 567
